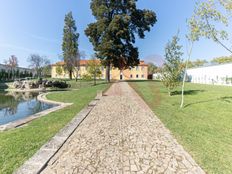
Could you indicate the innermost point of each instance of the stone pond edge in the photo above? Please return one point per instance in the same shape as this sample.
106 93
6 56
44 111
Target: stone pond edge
42 98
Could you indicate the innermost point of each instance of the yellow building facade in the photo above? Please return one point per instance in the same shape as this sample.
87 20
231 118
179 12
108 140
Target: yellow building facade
139 72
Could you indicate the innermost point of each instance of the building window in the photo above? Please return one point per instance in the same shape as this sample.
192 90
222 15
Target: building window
142 76
137 68
142 68
131 76
137 76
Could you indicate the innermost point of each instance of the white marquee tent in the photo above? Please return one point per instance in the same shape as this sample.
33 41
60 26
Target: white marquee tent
214 74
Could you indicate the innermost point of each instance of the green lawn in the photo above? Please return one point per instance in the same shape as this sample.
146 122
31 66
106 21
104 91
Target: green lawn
203 127
18 145
82 83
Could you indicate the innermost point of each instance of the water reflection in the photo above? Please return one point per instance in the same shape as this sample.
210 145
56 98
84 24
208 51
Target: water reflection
17 105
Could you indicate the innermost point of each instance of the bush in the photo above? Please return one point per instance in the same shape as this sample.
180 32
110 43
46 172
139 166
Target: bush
59 84
87 77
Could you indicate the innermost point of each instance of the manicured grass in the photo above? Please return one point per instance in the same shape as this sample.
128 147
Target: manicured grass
17 145
83 83
203 127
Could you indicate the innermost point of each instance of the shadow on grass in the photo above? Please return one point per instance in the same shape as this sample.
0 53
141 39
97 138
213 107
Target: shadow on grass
227 99
187 92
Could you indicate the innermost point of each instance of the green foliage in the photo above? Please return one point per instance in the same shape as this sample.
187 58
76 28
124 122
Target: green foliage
12 74
222 60
196 63
38 63
152 68
172 69
87 77
47 71
227 4
113 33
12 62
70 44
94 69
207 18
59 70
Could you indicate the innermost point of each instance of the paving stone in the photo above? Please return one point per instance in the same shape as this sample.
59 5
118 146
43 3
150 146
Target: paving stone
122 135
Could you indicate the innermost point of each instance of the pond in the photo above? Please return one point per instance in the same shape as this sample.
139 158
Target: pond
16 106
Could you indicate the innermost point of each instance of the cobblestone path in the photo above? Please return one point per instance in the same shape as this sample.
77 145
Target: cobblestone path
122 135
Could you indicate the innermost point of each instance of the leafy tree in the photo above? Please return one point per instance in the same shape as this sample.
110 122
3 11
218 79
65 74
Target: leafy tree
113 33
12 62
197 63
152 68
94 69
70 44
222 60
204 23
207 18
47 70
172 71
59 70
38 63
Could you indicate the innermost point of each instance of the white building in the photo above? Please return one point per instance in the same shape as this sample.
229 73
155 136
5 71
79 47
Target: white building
157 76
20 69
214 74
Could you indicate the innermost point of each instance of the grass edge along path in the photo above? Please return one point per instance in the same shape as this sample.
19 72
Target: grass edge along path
203 127
18 145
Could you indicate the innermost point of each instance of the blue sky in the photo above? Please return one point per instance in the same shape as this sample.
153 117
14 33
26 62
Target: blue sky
36 26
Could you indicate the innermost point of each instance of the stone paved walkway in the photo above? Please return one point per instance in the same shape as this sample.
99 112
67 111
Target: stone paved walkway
122 135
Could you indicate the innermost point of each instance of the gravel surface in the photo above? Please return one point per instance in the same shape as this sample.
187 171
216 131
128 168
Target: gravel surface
122 135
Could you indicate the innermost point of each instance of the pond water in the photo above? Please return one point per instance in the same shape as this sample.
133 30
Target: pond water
15 106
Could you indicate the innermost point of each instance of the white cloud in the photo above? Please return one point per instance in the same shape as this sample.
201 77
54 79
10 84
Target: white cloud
29 50
37 37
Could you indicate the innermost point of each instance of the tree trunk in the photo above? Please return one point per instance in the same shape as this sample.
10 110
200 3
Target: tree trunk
185 74
76 75
95 79
70 74
108 73
182 91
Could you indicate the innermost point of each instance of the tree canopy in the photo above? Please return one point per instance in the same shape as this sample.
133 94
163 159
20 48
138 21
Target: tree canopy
152 68
197 63
70 44
12 61
222 60
38 63
94 69
114 33
172 69
208 19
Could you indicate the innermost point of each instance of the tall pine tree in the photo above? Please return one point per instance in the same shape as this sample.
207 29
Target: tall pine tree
70 44
114 32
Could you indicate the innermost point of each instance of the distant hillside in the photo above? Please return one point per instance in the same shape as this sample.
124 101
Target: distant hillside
156 59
